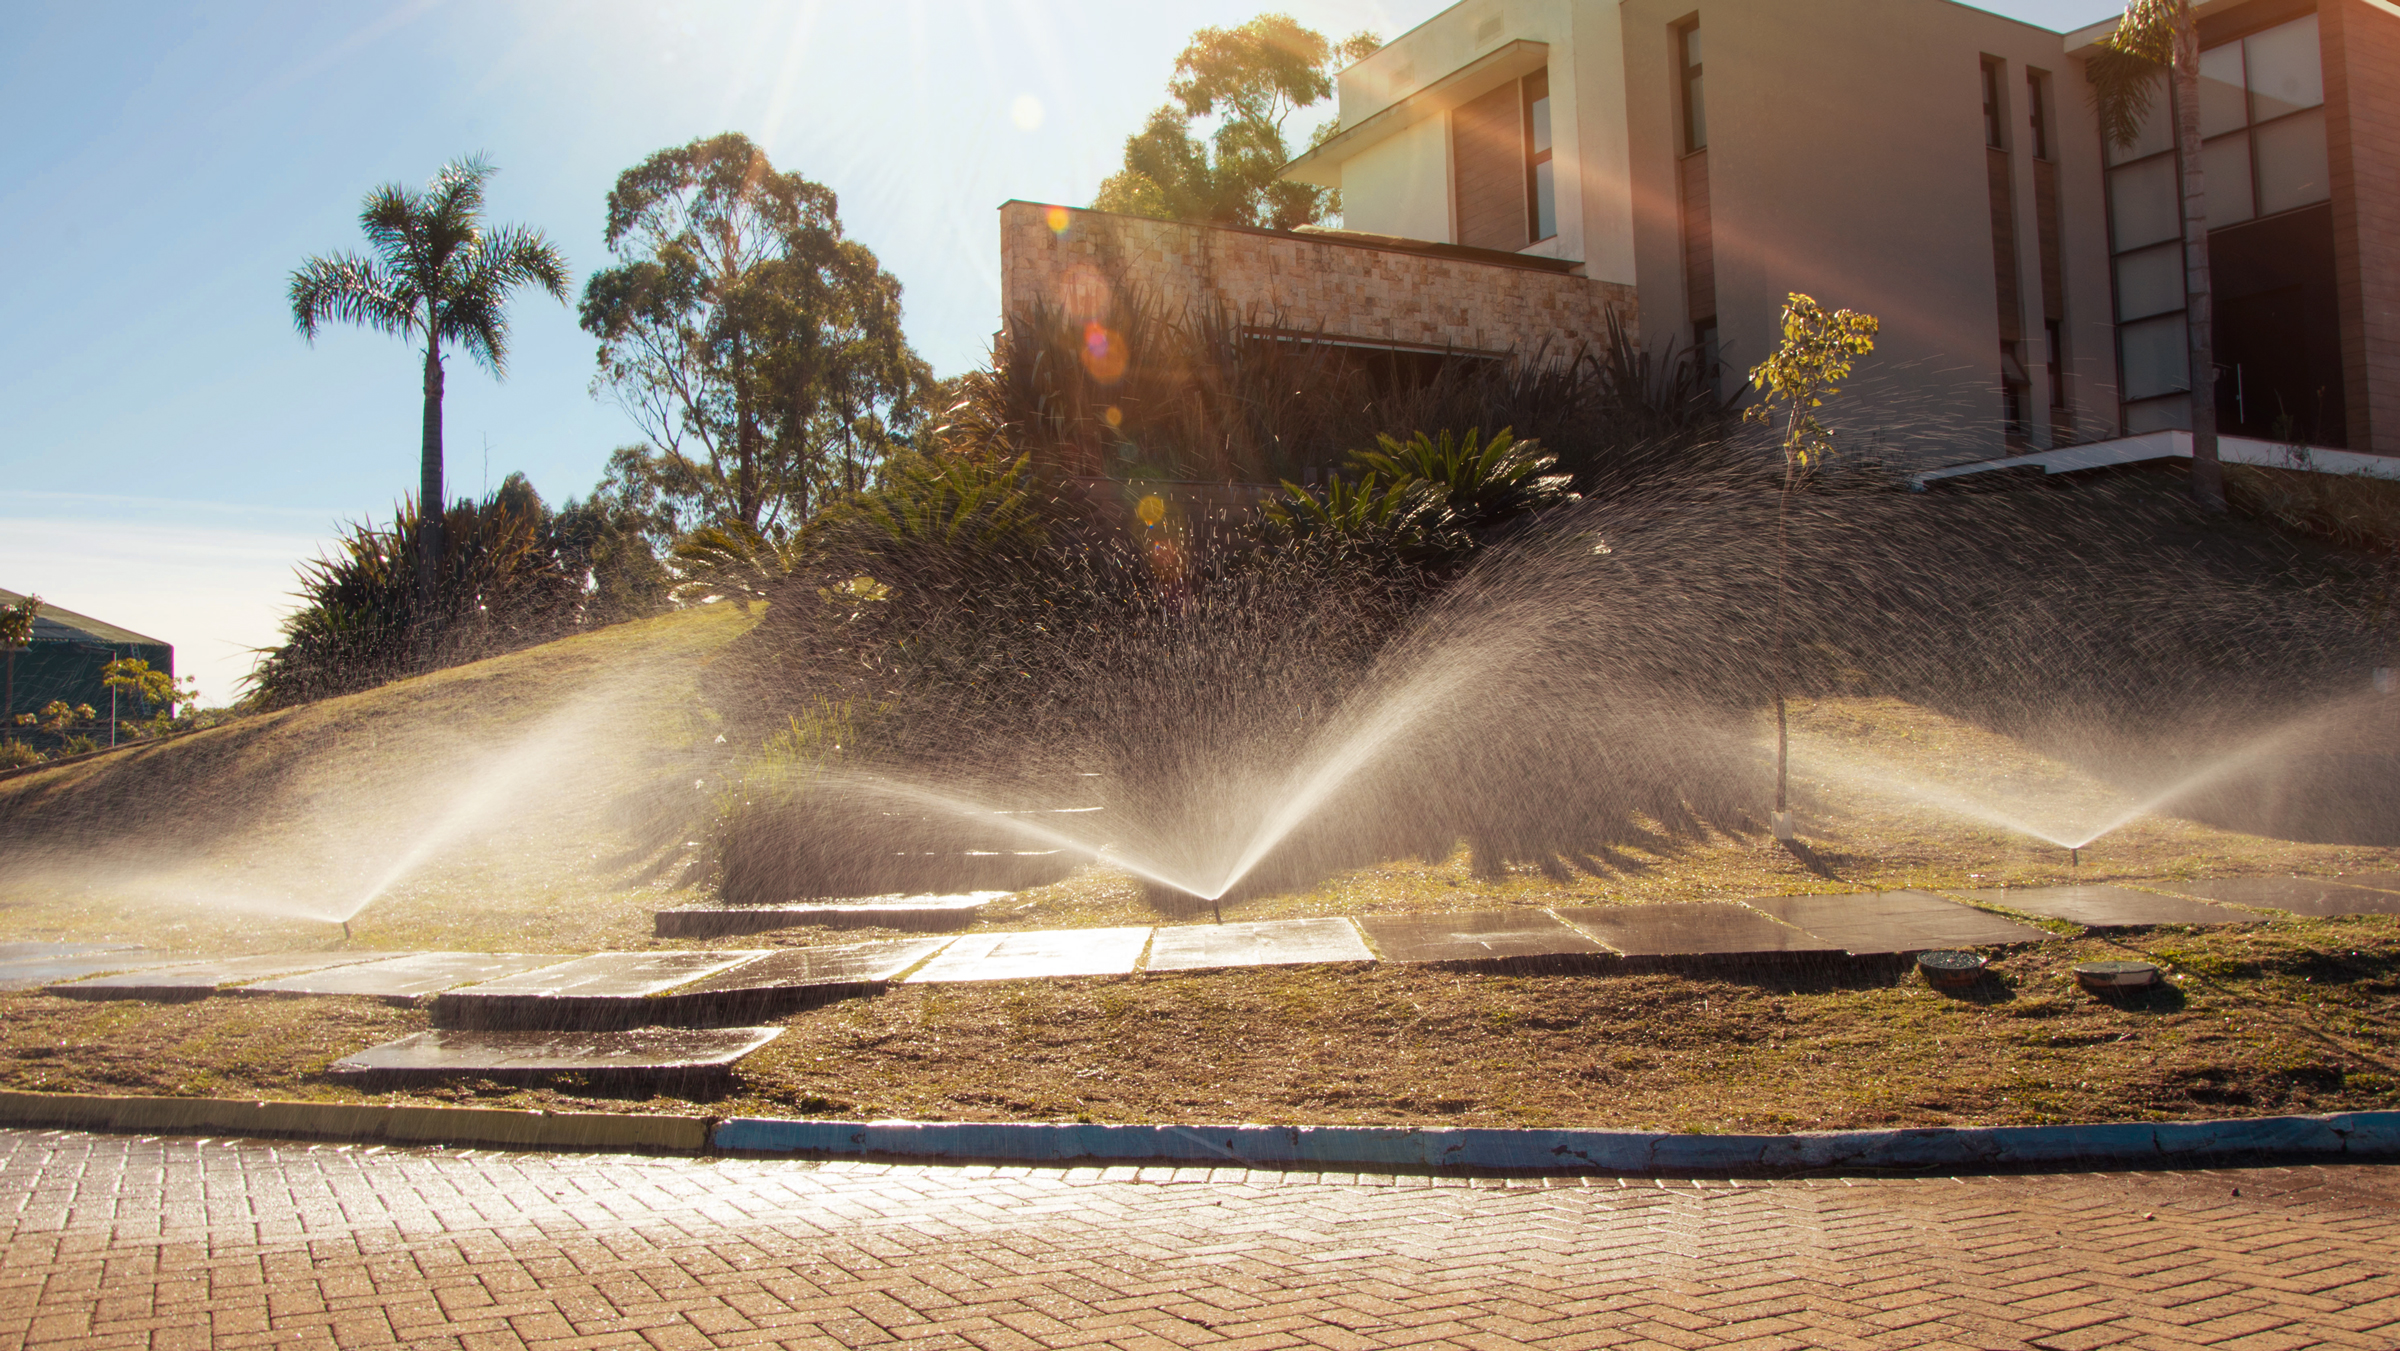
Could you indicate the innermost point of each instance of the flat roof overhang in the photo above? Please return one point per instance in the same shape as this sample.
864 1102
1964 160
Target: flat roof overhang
1323 164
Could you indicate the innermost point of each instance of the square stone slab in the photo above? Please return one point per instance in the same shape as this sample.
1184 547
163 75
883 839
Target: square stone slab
1692 929
649 1053
881 912
406 980
26 966
2317 897
785 982
1282 942
1044 952
1875 923
1475 935
2106 907
198 980
611 975
604 990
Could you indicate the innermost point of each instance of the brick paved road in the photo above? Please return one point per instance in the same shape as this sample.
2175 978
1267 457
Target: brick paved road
109 1241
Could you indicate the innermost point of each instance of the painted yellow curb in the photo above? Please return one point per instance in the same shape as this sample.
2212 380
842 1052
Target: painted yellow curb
480 1126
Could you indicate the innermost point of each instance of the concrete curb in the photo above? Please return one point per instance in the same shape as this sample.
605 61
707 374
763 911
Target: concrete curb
2348 1136
478 1126
2351 1135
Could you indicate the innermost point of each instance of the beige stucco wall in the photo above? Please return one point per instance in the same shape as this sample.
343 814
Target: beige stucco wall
1846 159
1401 186
1367 294
1405 189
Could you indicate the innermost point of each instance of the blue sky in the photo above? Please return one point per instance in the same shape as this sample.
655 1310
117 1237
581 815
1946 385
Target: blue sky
172 448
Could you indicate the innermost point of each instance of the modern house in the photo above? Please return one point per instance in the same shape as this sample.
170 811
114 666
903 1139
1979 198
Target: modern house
1512 170
63 663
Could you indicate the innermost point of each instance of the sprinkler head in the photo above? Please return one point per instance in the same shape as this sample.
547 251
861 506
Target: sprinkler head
2074 857
345 931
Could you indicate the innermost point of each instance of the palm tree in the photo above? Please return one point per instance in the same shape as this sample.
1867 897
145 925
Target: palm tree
2161 37
439 275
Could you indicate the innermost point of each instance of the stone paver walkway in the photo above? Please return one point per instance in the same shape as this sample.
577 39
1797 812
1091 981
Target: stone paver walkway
114 1242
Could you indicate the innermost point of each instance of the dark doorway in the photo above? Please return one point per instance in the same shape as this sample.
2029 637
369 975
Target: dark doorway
2278 338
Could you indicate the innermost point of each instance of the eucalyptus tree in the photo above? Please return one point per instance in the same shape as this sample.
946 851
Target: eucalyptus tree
759 350
438 276
2158 38
1252 78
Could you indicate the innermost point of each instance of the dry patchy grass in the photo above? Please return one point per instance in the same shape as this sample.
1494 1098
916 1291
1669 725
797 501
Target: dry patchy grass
2291 1016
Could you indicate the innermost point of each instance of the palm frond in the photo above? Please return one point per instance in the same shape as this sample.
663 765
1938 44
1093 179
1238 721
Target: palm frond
497 262
2124 73
348 289
388 217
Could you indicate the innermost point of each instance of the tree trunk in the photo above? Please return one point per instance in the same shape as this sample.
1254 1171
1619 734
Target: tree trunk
2208 476
1783 506
745 450
430 502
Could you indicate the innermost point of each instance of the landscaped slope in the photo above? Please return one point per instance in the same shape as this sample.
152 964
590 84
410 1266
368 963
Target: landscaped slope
537 780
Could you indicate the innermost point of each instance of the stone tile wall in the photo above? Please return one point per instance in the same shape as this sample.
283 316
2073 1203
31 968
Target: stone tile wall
1373 293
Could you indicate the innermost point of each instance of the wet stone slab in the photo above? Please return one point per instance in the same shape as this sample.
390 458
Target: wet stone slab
664 1055
1288 942
605 990
2106 907
1475 935
198 980
26 966
2316 897
1026 956
408 979
1877 923
878 912
1693 929
785 982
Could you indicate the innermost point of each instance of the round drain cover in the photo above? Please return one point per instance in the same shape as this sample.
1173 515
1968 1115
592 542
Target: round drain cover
2099 976
1949 968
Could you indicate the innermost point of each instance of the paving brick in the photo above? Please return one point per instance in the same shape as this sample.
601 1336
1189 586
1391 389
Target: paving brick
110 1241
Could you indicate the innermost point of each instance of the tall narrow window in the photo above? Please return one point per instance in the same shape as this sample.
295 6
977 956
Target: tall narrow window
2037 98
1695 108
1541 188
2056 331
1995 117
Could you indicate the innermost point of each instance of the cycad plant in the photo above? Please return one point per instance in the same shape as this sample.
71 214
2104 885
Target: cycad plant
439 275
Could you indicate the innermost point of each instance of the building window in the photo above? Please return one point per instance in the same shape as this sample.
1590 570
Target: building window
2015 385
2037 98
2262 123
2055 332
2262 152
1695 108
1541 188
1995 115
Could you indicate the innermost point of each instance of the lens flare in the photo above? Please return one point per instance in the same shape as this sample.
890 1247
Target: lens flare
1104 354
1057 219
1114 417
1151 510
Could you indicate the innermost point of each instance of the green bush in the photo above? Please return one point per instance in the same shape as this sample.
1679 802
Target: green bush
504 583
